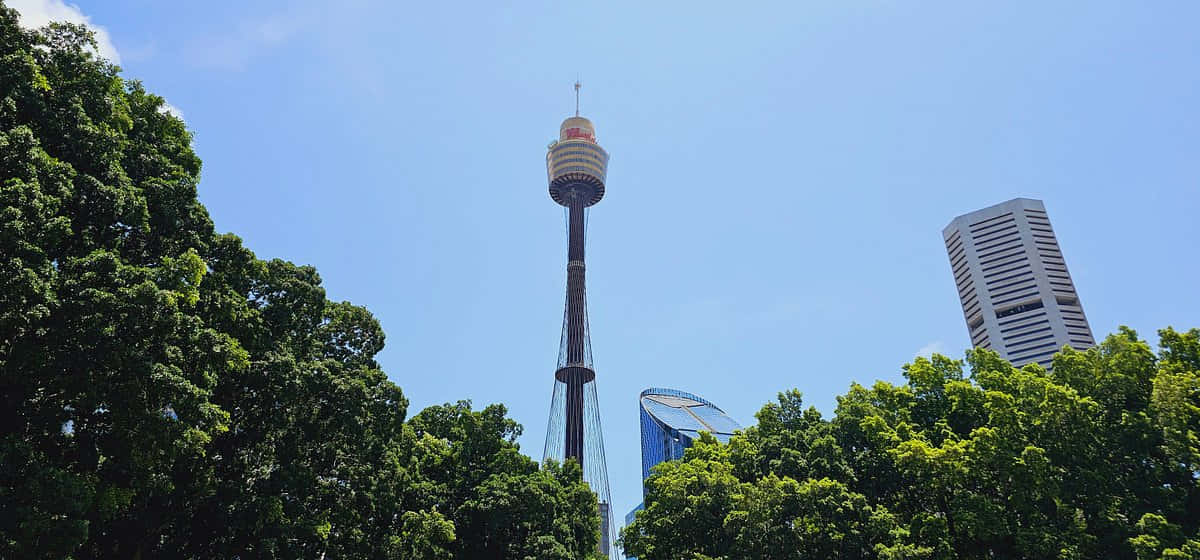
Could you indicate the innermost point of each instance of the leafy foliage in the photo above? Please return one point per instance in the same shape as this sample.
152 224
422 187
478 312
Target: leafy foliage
1097 458
165 393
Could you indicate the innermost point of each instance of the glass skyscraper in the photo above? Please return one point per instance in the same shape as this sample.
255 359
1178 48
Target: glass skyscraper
671 420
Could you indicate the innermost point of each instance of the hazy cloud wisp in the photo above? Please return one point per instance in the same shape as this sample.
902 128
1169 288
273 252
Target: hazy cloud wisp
235 49
171 110
37 13
935 347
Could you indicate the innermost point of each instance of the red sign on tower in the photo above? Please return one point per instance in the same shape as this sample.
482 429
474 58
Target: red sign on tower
572 133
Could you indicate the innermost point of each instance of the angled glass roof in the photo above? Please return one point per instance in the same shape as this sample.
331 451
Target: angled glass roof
674 417
720 423
672 400
687 412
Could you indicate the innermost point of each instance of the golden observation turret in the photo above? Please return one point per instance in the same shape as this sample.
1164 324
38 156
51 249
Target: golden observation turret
575 164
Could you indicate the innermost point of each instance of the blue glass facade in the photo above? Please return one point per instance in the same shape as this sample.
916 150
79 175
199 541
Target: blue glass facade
671 420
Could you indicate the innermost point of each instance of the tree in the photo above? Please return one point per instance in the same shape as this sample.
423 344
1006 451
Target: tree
698 508
164 392
498 498
687 503
1094 459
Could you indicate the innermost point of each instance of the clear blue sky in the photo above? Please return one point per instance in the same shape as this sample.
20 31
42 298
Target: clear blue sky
779 180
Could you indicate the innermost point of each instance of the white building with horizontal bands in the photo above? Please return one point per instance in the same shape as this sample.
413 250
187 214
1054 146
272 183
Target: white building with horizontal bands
1017 296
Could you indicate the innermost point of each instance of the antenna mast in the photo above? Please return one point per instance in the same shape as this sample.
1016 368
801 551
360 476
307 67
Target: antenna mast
577 86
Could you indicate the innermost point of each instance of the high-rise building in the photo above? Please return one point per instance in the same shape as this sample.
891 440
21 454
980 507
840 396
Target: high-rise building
629 518
1017 296
576 167
671 420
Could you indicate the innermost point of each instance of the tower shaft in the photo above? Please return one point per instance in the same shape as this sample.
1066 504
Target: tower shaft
576 321
577 370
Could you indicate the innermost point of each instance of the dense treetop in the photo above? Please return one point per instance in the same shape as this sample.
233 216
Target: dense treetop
165 393
1098 458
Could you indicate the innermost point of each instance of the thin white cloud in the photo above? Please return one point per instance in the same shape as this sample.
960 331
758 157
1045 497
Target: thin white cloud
236 49
275 29
935 347
38 13
171 110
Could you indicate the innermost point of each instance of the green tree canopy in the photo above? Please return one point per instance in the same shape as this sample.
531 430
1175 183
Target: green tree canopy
165 393
1097 458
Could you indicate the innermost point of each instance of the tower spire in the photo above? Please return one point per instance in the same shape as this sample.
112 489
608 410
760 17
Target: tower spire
577 86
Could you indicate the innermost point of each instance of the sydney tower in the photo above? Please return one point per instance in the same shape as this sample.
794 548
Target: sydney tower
576 167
